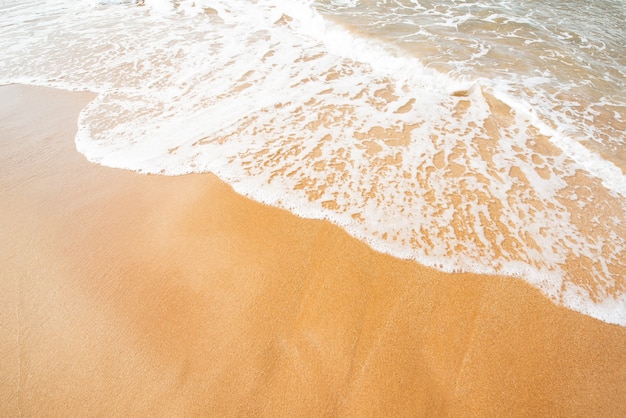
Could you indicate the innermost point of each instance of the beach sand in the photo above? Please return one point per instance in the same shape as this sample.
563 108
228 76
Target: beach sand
131 295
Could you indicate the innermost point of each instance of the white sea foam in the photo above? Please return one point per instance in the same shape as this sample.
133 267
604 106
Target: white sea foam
459 170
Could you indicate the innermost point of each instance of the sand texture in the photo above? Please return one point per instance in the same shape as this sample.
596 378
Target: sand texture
132 295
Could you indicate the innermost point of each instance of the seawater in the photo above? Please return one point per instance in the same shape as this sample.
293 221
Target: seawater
484 136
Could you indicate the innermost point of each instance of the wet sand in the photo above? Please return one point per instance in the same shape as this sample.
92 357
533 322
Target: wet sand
132 295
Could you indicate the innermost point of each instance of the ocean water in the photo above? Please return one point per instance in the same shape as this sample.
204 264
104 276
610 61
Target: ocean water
485 136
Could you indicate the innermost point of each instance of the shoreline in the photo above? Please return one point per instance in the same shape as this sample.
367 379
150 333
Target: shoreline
135 294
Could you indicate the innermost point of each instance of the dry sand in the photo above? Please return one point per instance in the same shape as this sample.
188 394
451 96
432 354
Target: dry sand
132 295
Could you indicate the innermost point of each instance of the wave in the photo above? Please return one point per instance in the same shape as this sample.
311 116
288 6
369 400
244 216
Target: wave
297 110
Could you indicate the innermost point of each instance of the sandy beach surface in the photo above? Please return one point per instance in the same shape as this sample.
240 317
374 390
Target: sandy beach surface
131 295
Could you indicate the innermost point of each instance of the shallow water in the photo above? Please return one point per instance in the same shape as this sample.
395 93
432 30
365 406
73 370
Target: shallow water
479 136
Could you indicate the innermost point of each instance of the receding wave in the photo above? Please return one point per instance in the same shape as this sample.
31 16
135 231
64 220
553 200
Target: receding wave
298 106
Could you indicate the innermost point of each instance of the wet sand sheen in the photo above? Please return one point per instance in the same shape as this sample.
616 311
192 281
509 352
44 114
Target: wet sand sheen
125 294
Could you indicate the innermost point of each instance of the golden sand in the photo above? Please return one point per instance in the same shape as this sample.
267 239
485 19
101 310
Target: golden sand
132 295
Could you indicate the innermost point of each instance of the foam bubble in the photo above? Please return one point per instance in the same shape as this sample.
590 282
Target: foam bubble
456 171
